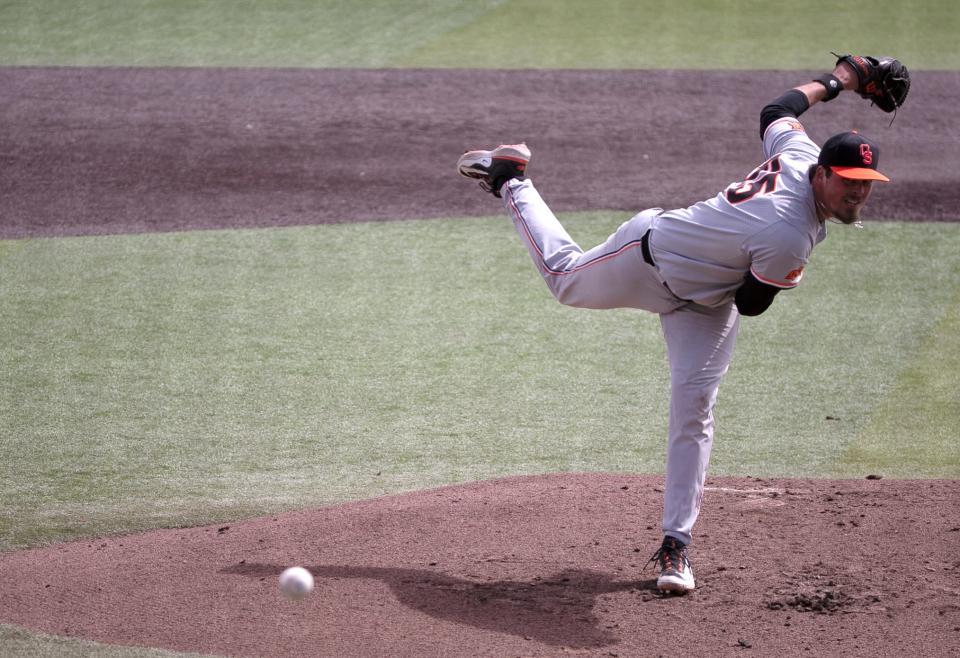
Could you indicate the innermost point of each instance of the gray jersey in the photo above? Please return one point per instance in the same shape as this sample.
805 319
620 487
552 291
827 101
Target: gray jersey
766 224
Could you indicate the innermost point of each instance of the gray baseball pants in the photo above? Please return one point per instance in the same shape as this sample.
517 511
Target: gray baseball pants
700 340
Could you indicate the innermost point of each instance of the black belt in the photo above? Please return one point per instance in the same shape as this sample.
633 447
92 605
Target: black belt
645 248
648 259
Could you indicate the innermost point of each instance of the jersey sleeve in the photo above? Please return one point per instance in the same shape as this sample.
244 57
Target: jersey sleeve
778 255
788 135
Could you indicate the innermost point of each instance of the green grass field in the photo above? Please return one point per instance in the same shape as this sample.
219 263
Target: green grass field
175 379
169 379
745 34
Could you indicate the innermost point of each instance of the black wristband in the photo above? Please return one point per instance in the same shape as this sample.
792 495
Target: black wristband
832 84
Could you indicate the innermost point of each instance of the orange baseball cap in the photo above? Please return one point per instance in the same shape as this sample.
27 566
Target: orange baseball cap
851 155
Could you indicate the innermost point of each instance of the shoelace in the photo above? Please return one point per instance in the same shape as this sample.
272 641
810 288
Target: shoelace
669 557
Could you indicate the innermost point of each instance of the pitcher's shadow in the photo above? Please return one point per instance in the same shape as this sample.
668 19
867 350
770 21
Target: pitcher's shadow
557 610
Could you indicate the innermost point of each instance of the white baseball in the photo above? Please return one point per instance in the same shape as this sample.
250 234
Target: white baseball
296 583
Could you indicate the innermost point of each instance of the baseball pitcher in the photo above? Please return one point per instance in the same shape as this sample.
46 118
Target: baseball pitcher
701 268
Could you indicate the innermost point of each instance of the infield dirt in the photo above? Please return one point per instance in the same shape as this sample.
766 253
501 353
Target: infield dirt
529 566
96 151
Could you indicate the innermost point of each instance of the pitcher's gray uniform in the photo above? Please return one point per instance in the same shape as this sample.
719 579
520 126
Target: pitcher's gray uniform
701 268
766 224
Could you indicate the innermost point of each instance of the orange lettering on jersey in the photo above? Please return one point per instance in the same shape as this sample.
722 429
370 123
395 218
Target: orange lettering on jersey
796 125
795 275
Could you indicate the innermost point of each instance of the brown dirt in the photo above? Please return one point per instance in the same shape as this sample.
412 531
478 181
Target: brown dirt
535 566
527 566
93 151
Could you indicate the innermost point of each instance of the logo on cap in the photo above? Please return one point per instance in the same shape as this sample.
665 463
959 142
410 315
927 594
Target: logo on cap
853 156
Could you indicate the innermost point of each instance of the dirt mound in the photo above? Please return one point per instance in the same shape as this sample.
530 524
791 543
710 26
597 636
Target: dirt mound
531 566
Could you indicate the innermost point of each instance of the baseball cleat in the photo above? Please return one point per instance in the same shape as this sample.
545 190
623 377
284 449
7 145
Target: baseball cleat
676 574
496 167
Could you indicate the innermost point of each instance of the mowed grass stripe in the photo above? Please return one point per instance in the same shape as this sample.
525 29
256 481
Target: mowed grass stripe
695 34
280 33
500 34
171 379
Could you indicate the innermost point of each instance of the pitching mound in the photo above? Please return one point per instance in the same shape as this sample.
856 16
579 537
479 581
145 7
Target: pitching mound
531 566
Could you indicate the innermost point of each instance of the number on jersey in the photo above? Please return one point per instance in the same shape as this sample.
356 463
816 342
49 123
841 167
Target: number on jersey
761 180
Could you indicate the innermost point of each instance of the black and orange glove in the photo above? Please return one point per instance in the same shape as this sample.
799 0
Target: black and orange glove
883 80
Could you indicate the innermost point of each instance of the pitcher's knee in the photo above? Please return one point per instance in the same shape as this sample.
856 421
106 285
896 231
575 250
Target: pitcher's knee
696 387
565 296
566 293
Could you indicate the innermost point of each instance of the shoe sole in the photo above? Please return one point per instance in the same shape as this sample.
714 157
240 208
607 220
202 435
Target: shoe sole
476 164
674 585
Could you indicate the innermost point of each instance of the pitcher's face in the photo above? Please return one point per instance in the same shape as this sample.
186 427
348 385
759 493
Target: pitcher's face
839 197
